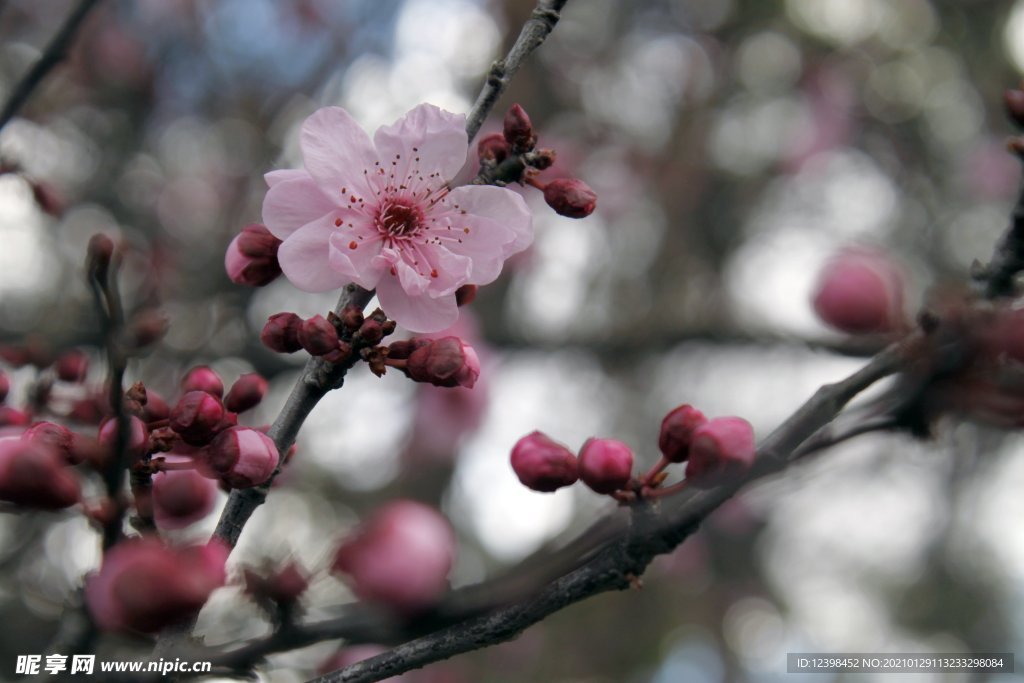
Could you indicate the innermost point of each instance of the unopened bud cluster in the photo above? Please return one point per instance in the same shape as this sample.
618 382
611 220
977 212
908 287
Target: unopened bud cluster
251 257
514 151
713 451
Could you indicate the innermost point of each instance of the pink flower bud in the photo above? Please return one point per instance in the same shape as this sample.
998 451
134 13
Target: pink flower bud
492 146
542 464
98 254
251 257
518 129
677 432
54 436
145 585
247 392
400 557
605 464
203 378
720 448
281 587
12 417
5 386
318 336
403 348
447 362
281 333
242 457
860 291
370 332
72 366
197 417
35 476
138 436
570 197
182 497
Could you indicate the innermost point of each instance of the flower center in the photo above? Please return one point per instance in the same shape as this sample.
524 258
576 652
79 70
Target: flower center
398 218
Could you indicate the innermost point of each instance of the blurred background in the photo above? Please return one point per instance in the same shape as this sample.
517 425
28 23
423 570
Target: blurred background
734 146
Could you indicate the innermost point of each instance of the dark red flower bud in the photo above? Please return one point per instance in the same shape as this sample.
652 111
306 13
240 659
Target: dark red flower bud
281 333
87 449
351 318
138 436
86 410
492 146
251 258
203 378
543 464
53 436
72 366
35 476
318 336
570 197
721 447
542 159
370 332
465 294
402 349
5 386
605 464
282 587
197 417
247 391
518 130
243 457
12 417
98 255
182 497
447 362
677 432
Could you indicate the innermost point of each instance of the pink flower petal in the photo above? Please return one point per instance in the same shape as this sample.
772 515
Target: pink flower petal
336 151
360 264
304 257
500 205
435 137
283 174
291 204
416 314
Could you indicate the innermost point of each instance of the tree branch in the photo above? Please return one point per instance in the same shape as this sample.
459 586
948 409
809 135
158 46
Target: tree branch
53 55
533 33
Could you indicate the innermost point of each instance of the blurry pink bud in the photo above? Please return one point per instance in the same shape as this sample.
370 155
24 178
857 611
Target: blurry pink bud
570 197
318 336
98 254
33 475
147 327
860 291
242 457
12 417
542 464
72 366
282 587
399 557
51 435
446 362
518 129
5 386
87 449
47 198
492 146
721 447
677 432
197 417
145 585
251 257
605 464
203 378
182 497
247 392
281 333
138 436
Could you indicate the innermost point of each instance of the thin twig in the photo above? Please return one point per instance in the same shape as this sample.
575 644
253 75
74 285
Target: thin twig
53 55
534 32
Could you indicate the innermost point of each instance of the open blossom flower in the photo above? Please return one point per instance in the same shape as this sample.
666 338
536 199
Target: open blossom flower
379 213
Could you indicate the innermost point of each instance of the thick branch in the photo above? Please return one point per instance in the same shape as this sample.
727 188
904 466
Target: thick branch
534 32
53 55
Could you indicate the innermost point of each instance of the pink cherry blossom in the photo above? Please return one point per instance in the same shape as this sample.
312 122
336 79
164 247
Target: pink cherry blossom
380 214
